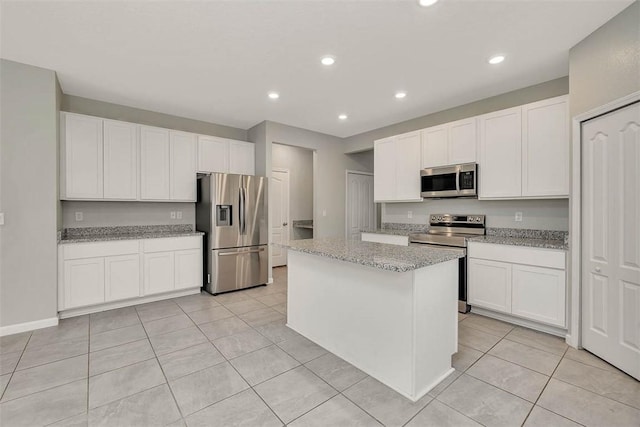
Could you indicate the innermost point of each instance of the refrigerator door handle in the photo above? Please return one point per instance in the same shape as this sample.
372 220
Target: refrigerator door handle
241 210
244 210
253 251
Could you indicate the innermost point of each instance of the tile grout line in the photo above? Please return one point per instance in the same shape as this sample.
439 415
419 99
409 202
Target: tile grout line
14 369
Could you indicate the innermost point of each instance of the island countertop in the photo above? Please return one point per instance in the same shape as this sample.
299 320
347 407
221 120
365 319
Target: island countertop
378 255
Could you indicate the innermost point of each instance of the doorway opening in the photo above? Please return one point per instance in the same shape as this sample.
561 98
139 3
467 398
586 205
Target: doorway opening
361 211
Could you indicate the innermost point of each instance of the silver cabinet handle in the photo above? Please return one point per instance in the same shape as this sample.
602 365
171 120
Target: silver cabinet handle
253 251
284 224
597 269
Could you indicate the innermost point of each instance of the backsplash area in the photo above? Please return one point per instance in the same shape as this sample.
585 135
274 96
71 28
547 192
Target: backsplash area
111 214
536 214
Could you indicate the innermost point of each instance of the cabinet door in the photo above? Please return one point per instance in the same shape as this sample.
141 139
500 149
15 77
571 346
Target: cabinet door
122 277
384 177
489 284
463 138
183 166
120 160
545 145
539 294
188 269
500 154
83 282
82 161
242 158
213 154
158 272
154 163
435 147
408 147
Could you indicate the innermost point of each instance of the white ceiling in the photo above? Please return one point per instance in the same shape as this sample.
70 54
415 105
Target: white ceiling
216 60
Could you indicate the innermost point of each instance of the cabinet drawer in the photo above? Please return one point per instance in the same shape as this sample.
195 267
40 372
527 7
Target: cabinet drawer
552 258
100 249
172 244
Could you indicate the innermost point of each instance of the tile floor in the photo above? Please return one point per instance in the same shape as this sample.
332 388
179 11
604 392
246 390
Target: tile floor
229 360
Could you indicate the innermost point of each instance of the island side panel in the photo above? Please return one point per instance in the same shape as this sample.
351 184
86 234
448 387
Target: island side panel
362 314
436 323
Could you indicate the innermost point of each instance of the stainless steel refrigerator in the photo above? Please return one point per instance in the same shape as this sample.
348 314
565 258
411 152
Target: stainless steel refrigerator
232 211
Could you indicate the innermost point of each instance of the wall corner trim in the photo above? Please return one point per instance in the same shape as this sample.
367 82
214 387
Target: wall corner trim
28 326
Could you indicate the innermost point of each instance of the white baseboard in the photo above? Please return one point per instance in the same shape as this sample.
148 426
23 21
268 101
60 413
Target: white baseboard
270 281
562 333
28 326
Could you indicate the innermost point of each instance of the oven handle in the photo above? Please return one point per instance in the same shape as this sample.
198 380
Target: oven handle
458 180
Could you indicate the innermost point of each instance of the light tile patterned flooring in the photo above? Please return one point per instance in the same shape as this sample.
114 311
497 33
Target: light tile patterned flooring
226 360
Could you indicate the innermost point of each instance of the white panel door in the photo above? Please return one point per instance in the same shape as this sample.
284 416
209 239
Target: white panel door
408 147
158 272
120 160
539 294
435 143
384 178
611 238
361 210
500 156
188 268
183 155
242 158
82 170
83 282
463 138
490 284
154 163
545 148
122 277
213 154
279 201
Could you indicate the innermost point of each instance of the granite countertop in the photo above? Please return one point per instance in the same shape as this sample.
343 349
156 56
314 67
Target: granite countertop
523 241
378 255
104 234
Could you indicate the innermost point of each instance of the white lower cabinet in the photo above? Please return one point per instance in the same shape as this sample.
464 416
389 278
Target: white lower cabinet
98 273
158 272
83 282
525 282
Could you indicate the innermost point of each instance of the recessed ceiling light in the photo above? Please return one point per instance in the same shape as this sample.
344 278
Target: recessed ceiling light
274 95
343 117
496 59
328 60
426 3
400 95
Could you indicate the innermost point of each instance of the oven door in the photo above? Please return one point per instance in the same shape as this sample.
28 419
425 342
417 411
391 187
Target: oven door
463 307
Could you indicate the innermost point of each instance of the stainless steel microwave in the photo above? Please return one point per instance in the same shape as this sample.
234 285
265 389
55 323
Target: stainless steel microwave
449 181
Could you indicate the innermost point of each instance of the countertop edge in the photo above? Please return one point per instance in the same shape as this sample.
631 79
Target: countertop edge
111 238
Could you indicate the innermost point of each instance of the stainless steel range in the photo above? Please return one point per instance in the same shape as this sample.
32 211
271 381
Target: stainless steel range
452 231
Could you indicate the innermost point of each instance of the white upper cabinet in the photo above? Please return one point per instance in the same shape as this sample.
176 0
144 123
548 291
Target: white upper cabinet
500 155
183 155
397 168
449 144
120 160
154 163
242 157
225 155
81 158
213 154
545 148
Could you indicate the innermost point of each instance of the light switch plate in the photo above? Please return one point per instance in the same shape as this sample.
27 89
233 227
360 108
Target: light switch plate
1 218
173 215
179 215
79 216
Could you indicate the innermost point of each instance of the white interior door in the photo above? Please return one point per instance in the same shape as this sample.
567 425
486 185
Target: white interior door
279 215
611 238
361 210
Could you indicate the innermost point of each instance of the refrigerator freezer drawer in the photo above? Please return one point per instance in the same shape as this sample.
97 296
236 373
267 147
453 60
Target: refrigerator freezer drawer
238 268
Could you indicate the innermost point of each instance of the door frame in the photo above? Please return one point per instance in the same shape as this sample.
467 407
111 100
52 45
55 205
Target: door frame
574 333
288 172
346 199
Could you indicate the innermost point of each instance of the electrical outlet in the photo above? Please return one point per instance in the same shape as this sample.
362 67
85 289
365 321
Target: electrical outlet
518 216
173 215
79 216
409 214
1 218
324 212
179 215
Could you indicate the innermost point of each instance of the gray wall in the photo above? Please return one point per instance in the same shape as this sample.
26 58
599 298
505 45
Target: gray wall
364 141
106 214
92 107
606 65
536 214
28 193
299 162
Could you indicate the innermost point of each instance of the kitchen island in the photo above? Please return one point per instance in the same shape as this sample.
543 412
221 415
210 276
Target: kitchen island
391 311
